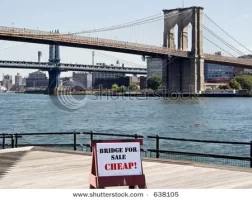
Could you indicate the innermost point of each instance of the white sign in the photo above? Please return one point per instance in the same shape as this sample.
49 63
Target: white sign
119 159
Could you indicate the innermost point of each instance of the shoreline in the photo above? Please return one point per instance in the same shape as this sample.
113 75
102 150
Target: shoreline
135 94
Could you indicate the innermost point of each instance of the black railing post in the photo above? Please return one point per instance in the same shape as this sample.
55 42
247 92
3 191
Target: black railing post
91 139
75 141
157 146
3 141
251 154
12 141
136 136
16 140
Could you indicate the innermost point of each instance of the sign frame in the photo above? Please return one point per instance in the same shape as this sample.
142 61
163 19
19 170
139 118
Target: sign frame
101 182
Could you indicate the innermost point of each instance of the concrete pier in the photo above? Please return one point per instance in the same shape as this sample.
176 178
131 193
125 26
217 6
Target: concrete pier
54 73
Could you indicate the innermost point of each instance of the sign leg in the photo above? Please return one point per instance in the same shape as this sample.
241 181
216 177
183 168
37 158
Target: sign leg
91 187
142 187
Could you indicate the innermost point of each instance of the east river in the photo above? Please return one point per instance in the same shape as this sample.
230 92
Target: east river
228 119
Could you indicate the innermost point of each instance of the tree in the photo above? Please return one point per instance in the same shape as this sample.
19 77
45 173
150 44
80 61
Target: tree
115 87
133 87
154 82
122 89
224 87
234 84
160 87
245 81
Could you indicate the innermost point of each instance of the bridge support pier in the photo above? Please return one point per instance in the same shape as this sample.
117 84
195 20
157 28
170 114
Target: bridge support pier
54 81
54 73
183 75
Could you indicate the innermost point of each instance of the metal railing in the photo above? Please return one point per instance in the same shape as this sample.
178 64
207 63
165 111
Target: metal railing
29 64
207 156
14 139
152 142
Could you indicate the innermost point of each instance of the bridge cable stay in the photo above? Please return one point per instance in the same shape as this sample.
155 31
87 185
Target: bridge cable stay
132 29
227 33
52 34
136 23
223 41
218 46
115 26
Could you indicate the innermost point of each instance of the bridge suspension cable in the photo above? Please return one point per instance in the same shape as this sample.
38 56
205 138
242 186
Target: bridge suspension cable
227 33
116 26
134 23
223 41
218 46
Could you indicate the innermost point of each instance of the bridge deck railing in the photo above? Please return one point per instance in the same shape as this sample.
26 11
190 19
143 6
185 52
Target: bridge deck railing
157 146
198 156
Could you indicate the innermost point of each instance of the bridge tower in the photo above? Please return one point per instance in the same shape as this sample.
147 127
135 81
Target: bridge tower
184 74
54 73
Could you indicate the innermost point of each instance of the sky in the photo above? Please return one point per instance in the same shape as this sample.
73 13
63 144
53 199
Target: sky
78 15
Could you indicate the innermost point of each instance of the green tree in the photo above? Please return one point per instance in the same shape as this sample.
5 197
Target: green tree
122 89
245 81
160 87
133 87
154 82
115 87
234 84
224 87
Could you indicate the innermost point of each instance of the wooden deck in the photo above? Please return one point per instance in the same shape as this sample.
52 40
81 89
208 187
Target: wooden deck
40 168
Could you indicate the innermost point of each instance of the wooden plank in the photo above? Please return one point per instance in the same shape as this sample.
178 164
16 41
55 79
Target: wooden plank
44 170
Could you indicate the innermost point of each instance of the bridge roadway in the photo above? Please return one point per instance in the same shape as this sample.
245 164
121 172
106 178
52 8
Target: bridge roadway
42 168
71 67
43 37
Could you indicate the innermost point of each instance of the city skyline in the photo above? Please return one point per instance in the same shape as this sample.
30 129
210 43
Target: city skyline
19 16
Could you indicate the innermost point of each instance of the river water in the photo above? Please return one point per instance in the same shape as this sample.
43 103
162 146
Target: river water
228 119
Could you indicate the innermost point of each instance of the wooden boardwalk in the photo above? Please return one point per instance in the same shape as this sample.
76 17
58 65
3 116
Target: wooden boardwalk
41 168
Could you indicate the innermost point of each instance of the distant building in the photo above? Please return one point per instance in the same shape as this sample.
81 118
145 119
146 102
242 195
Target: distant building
143 82
105 75
7 81
18 79
66 81
134 80
85 79
24 81
37 79
218 73
238 70
154 67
